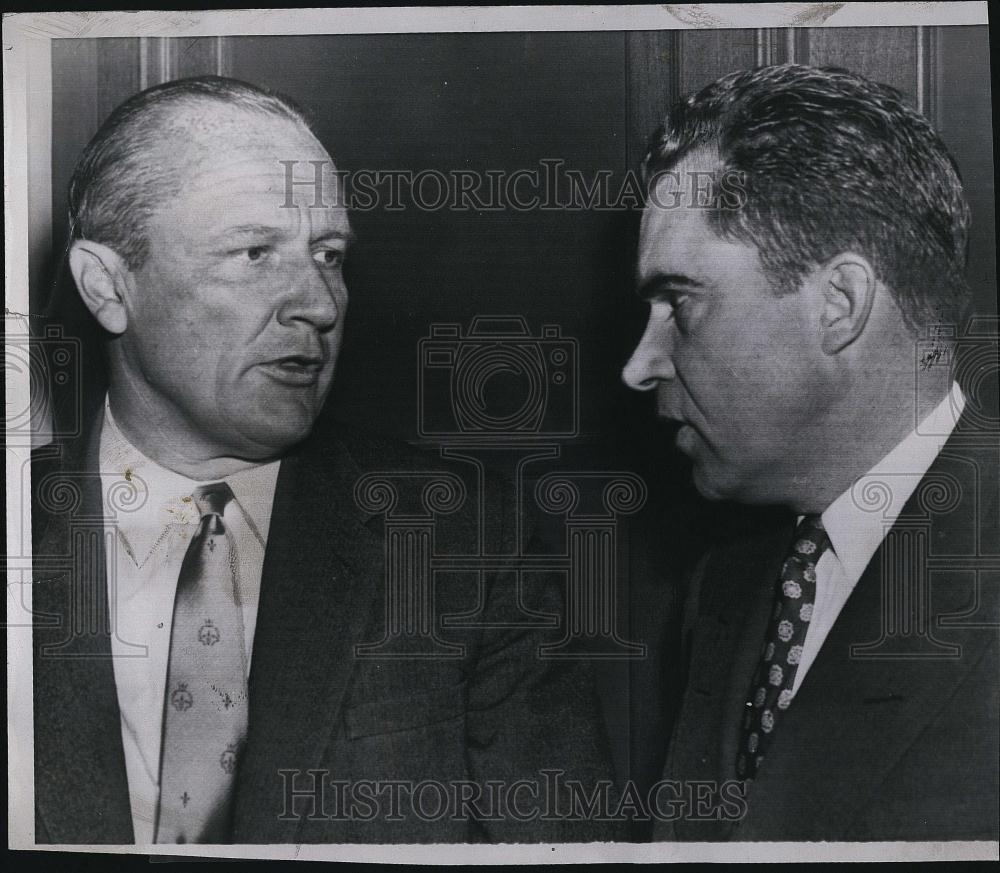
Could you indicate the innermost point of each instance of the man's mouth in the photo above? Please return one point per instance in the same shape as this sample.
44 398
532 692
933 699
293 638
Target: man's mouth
671 418
686 437
297 370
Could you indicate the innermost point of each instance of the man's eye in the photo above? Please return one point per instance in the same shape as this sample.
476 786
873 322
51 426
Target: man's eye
329 257
680 311
254 253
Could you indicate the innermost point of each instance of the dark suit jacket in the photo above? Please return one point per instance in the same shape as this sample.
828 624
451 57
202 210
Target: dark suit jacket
496 712
640 695
893 734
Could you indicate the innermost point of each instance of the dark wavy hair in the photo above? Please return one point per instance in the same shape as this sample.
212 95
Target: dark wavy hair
117 183
830 162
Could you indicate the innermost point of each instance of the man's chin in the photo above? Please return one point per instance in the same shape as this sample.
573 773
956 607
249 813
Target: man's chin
715 485
282 418
709 484
708 480
265 441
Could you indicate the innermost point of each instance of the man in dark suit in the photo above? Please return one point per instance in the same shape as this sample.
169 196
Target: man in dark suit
217 657
803 252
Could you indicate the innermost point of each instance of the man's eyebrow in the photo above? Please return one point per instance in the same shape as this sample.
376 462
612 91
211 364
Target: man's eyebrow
347 236
253 229
655 285
272 231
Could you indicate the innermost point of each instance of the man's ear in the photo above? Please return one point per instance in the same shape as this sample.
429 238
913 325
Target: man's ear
848 288
100 274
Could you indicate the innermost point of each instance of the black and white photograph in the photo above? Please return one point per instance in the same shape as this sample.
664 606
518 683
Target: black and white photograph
503 434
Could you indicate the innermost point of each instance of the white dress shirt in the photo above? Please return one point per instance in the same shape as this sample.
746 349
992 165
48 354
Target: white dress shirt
857 523
154 518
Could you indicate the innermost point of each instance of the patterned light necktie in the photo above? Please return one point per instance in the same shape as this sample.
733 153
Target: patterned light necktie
771 689
205 711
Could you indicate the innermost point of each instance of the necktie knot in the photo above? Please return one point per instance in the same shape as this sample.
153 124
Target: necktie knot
811 539
212 499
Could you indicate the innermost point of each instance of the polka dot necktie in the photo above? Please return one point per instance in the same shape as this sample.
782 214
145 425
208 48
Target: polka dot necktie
205 711
771 689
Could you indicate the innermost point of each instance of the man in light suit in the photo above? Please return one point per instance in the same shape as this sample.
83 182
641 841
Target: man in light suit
207 575
803 251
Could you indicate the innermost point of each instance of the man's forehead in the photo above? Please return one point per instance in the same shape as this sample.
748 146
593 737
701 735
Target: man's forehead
688 180
305 174
253 185
211 135
681 241
249 156
672 231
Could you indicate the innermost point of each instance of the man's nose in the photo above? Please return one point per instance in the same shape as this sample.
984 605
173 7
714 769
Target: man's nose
652 361
313 297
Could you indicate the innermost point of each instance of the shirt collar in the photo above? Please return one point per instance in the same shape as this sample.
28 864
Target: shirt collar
144 498
858 520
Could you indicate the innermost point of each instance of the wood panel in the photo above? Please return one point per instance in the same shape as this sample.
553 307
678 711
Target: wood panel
885 54
74 121
708 54
966 125
663 65
772 45
118 73
200 56
653 75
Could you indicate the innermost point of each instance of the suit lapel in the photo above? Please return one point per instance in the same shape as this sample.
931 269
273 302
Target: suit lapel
654 619
81 786
820 769
322 573
741 607
748 617
736 596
